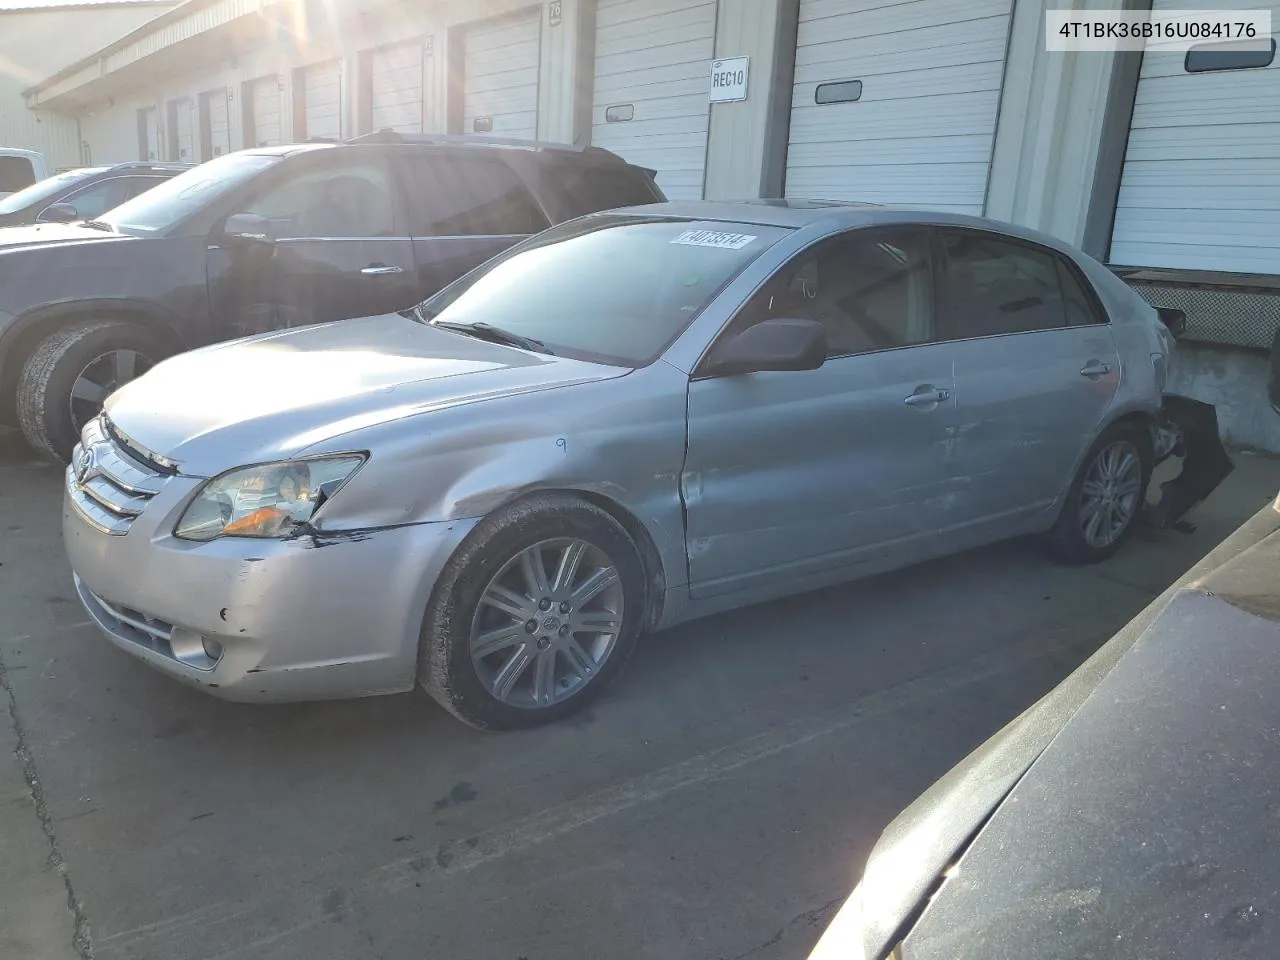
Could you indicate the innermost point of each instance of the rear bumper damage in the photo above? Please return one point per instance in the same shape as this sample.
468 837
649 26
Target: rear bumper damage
1187 429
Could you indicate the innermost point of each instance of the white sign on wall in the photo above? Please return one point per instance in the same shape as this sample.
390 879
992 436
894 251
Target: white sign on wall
729 79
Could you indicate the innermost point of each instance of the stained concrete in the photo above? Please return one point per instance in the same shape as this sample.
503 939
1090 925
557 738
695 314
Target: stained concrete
1235 381
716 804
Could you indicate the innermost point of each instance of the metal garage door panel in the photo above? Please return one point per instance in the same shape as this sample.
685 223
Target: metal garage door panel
322 100
502 60
653 60
267 128
151 132
219 123
923 130
186 131
396 87
1201 182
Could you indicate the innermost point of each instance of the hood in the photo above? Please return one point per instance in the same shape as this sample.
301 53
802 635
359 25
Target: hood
1090 783
50 234
269 397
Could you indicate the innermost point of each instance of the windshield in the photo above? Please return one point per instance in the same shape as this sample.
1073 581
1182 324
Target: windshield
175 199
43 190
611 288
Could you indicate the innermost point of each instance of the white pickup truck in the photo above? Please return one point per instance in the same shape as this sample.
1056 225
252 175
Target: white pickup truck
20 168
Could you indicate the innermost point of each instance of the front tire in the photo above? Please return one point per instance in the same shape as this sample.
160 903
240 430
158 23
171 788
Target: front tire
71 372
1106 497
534 616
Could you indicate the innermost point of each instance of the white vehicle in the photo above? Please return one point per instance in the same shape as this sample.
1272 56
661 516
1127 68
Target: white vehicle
20 168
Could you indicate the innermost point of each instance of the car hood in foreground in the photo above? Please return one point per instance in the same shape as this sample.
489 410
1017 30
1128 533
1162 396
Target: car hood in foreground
1132 812
272 396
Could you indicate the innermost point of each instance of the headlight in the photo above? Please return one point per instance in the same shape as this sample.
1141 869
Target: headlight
271 500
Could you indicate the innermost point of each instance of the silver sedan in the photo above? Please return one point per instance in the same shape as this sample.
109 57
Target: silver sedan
628 421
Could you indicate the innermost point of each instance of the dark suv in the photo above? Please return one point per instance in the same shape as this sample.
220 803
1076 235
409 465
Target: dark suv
84 193
265 239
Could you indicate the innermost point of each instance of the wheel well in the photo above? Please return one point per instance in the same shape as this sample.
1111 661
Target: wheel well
19 347
655 576
1139 418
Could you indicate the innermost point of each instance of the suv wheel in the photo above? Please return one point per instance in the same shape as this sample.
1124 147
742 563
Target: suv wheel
71 372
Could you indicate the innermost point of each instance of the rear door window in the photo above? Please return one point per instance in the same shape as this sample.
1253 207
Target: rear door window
457 197
132 186
996 286
15 174
583 188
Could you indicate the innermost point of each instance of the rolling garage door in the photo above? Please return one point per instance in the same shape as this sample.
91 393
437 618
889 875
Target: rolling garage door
184 132
650 104
896 102
148 134
500 90
395 83
322 101
219 123
267 129
1201 183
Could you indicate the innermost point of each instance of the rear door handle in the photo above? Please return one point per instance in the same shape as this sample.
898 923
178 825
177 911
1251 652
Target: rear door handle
925 396
1095 368
380 270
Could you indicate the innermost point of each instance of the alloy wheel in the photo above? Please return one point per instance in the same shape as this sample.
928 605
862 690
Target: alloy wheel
1111 494
101 377
546 623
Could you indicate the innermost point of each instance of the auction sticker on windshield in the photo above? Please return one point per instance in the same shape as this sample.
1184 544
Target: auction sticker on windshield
713 238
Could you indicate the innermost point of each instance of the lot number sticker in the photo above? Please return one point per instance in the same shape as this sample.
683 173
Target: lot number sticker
713 238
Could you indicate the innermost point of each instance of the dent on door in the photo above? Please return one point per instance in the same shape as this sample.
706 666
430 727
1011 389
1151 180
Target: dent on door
793 474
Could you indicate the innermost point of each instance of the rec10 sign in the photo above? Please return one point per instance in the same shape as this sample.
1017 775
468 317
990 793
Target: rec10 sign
729 79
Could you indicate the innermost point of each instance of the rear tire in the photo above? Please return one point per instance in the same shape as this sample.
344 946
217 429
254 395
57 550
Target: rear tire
90 359
1102 507
581 626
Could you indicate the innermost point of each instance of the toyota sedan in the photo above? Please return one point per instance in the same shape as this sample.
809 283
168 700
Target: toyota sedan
628 421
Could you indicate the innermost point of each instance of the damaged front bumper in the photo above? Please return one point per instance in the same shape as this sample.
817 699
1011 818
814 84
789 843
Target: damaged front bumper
309 618
1187 429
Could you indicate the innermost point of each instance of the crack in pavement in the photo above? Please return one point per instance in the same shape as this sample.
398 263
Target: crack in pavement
809 917
81 940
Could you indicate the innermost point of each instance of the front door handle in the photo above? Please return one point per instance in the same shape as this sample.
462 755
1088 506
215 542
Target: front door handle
926 396
380 270
1095 368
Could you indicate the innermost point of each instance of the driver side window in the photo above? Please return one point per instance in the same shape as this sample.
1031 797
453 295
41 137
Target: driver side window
339 200
871 288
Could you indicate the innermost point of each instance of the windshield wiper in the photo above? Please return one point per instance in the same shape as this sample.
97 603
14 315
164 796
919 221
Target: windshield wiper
487 331
98 225
417 312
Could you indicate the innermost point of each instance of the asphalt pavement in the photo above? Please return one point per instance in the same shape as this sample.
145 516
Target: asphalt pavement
716 804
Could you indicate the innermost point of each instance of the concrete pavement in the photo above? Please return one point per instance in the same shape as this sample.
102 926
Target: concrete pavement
716 804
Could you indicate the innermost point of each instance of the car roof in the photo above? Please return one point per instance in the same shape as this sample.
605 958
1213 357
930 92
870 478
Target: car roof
830 214
457 142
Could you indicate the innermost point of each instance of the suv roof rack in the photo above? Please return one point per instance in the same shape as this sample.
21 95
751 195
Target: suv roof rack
481 140
151 165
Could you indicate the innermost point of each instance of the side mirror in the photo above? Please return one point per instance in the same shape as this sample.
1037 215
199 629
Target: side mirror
248 226
1174 319
775 344
59 213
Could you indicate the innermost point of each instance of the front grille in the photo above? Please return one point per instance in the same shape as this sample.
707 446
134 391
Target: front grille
108 486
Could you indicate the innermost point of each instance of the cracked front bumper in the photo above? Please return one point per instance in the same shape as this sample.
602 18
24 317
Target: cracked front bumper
261 620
